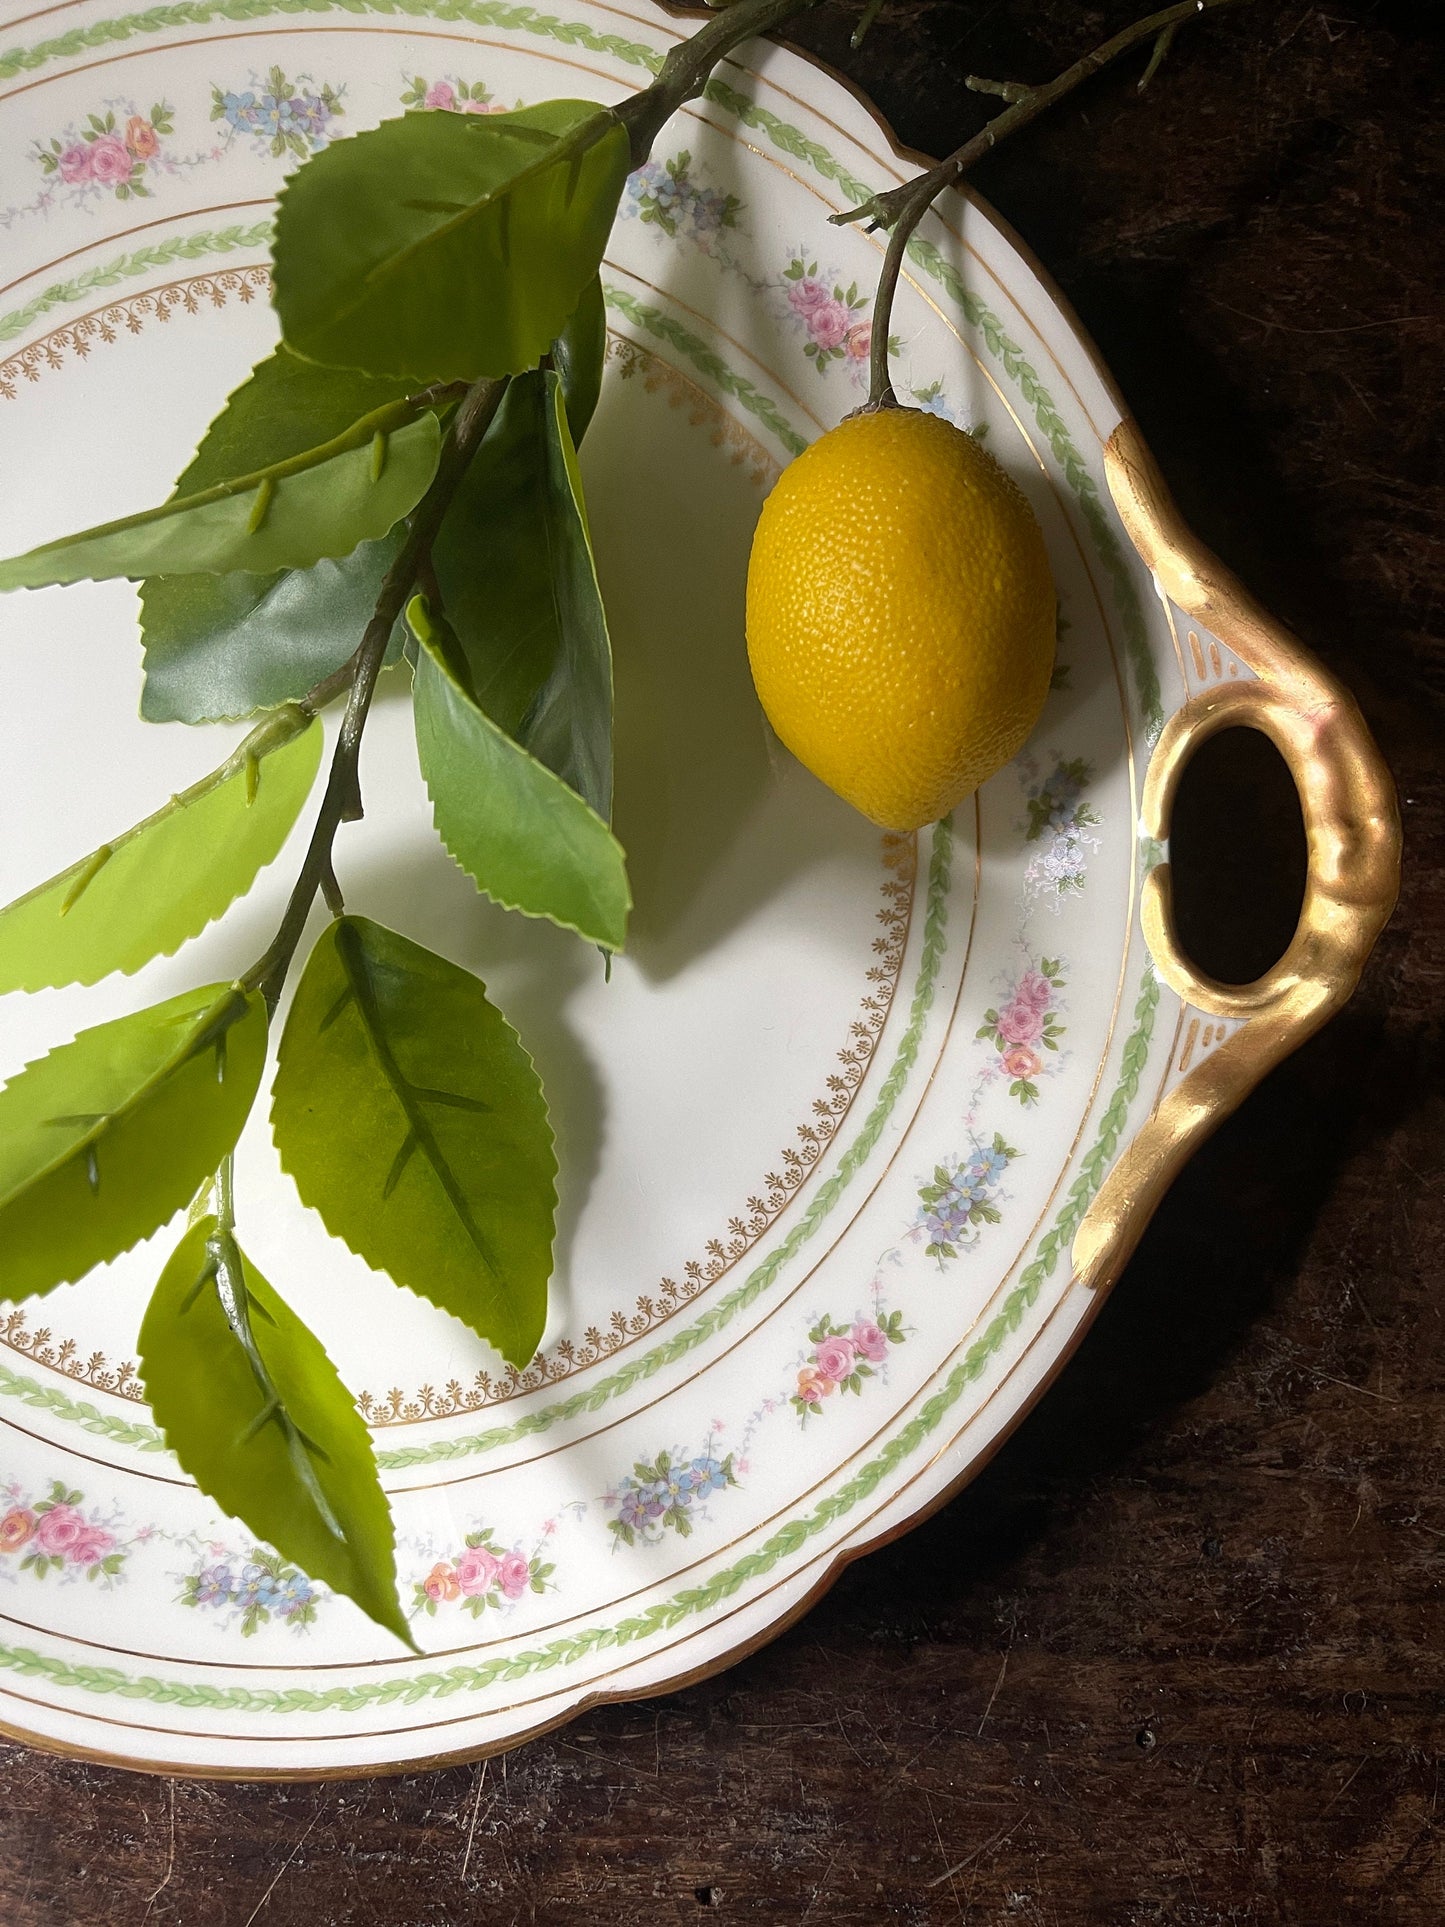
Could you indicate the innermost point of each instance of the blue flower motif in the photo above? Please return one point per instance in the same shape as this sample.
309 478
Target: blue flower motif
294 1593
710 211
257 1588
213 1588
675 1486
1058 799
642 182
989 1167
640 1503
276 115
706 1475
948 1220
240 110
309 116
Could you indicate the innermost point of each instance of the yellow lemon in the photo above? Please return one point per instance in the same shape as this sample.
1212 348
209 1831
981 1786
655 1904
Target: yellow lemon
900 614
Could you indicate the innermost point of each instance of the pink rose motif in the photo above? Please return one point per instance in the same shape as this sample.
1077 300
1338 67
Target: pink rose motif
813 1388
441 1582
1020 1023
141 138
483 107
16 1527
859 343
829 324
835 1357
441 94
807 296
476 1569
870 1339
110 161
75 163
59 1529
515 1574
1034 989
93 1544
1020 1061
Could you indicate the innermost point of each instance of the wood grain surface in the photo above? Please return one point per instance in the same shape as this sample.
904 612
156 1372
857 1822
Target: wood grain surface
1178 1656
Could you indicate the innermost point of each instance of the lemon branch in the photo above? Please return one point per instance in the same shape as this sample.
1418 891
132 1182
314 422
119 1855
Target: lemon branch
900 209
684 73
341 802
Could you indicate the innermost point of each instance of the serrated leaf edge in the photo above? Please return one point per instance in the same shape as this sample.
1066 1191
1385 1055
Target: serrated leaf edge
501 897
396 418
229 994
561 149
286 723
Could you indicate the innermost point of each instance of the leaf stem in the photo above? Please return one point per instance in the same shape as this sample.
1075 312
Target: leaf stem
684 73
227 1271
860 33
342 800
900 209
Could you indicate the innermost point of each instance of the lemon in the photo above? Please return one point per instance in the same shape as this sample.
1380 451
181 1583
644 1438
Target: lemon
900 614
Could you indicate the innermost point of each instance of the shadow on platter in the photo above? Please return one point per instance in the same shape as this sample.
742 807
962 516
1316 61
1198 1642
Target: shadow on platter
714 816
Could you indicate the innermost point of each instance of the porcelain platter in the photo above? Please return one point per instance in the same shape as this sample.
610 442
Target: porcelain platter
827 1135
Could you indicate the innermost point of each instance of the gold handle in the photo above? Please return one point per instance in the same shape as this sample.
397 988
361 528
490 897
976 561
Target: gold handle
1352 829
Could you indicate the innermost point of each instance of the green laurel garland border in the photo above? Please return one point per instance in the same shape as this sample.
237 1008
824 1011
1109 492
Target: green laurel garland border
125 267
665 327
75 1411
201 13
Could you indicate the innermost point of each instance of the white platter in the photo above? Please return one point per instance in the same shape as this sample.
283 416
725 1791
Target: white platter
849 1101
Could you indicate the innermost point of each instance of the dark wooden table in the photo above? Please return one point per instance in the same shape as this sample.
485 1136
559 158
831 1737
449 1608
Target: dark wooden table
1179 1654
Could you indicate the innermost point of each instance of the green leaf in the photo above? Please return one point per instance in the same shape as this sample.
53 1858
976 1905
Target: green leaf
578 354
256 1413
277 459
222 647
165 880
412 1119
285 517
447 246
516 828
519 587
101 1141
284 407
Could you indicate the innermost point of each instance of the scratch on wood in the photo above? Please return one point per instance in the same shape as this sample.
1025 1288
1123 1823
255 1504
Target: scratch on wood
1364 1390
1341 1791
472 1829
994 1694
822 1884
276 1877
1004 1833
943 1855
165 1882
